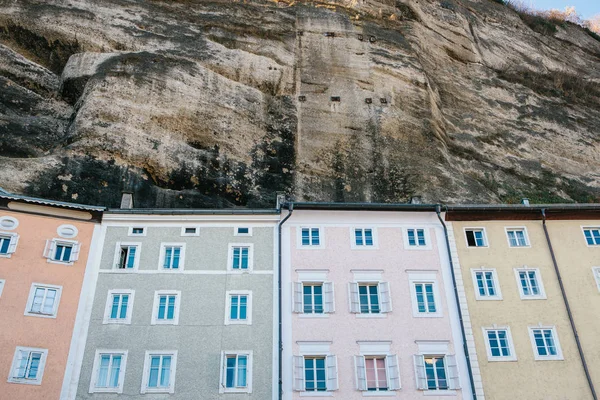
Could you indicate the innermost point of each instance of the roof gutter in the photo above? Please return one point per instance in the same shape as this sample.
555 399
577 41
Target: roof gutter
438 210
566 301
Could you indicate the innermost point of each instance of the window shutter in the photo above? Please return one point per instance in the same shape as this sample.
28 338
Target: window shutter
453 379
384 294
223 368
299 373
12 246
297 297
75 252
361 373
420 372
329 298
50 248
354 299
332 374
393 372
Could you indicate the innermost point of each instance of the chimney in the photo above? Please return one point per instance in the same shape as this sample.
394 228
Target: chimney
525 201
127 200
415 200
281 199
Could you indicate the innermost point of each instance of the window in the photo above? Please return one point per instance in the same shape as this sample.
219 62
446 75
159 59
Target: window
517 237
476 237
436 372
43 300
159 372
166 307
313 298
530 283
137 231
370 298
243 231
416 237
363 238
2 281
486 284
315 373
127 256
545 343
240 257
61 251
592 236
377 373
236 372
8 244
119 307
190 231
424 292
498 342
310 237
238 309
172 256
425 298
108 372
28 366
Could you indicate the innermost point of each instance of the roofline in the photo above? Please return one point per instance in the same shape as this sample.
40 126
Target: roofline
522 207
53 203
361 206
178 211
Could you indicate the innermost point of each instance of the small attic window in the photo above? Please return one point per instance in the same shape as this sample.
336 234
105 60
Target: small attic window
301 98
336 98
189 231
243 231
137 231
368 100
329 34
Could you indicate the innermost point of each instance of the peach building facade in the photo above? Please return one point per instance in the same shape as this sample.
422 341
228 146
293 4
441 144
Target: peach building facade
44 248
368 306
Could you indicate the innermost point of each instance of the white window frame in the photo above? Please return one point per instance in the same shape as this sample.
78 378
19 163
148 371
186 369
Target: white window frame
196 232
230 268
130 231
175 320
596 273
538 275
2 283
13 241
315 350
50 250
8 223
370 349
328 294
236 233
108 307
583 229
223 370
525 235
32 290
228 320
385 301
161 257
374 236
511 347
437 349
96 368
136 261
41 366
478 296
426 235
299 244
485 239
537 357
425 278
146 374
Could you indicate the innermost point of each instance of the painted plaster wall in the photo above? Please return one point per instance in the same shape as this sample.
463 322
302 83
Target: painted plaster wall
342 328
576 260
201 333
26 266
526 377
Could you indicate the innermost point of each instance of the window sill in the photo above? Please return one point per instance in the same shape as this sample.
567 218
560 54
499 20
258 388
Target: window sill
49 261
25 381
439 392
387 393
523 297
552 358
164 323
5 255
233 390
228 322
107 390
116 322
316 394
40 315
382 315
154 390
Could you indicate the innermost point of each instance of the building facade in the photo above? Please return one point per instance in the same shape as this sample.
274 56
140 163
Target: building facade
183 306
44 250
368 305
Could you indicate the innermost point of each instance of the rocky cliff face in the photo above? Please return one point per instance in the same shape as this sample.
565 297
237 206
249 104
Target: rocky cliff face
219 104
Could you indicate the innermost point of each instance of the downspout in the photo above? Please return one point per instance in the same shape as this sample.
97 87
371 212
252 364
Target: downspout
438 210
564 296
280 300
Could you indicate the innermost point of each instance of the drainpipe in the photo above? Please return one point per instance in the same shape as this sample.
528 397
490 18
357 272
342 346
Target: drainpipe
438 209
564 296
279 268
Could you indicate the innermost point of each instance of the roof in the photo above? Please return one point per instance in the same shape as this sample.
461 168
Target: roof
34 200
191 211
360 206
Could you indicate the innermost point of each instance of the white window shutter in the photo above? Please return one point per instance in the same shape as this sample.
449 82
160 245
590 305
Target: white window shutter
384 295
223 368
393 372
12 246
299 373
354 299
453 379
420 372
328 297
75 252
50 248
332 374
361 372
297 297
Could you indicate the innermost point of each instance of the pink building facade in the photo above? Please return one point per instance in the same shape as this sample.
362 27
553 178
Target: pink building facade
368 307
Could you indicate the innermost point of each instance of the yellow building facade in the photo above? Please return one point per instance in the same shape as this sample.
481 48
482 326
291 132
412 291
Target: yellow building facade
524 341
